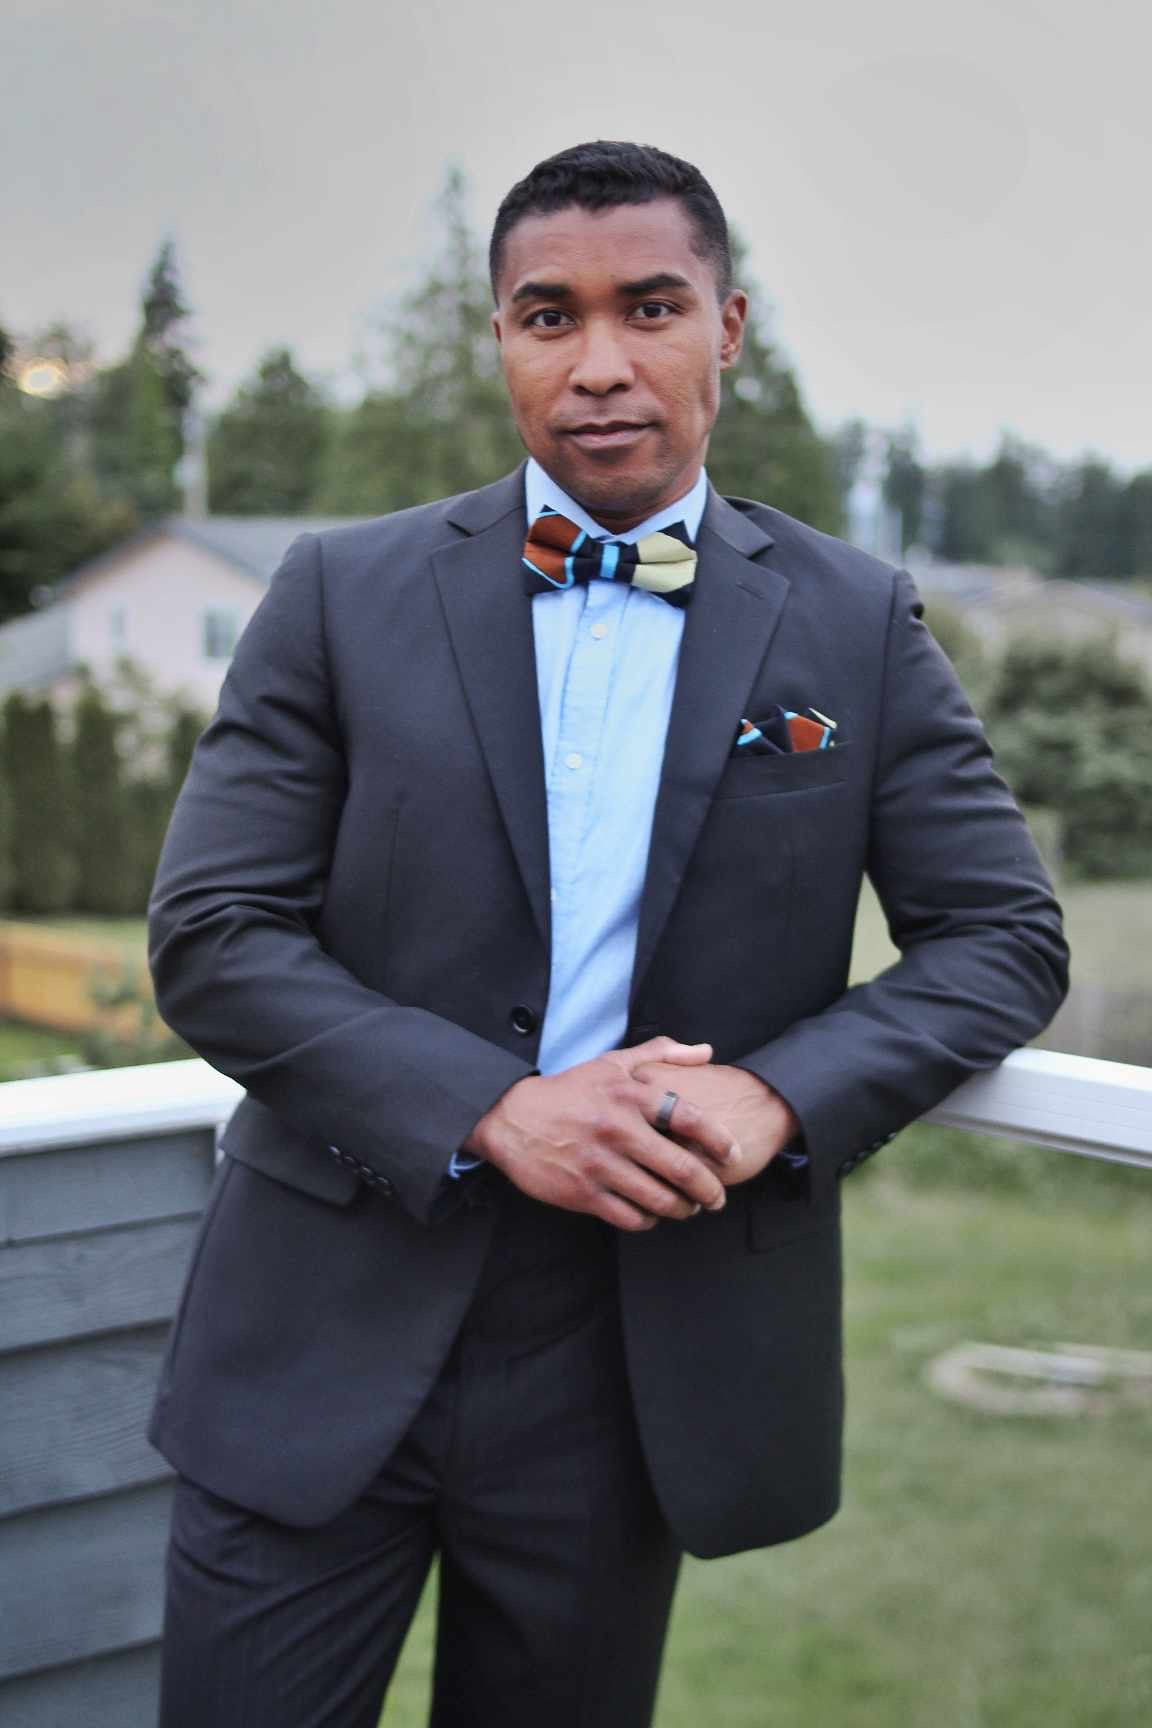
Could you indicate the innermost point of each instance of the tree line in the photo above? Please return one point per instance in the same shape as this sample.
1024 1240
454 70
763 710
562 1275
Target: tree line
87 785
86 790
85 464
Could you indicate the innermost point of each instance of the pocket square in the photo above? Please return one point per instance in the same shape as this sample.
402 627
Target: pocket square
783 731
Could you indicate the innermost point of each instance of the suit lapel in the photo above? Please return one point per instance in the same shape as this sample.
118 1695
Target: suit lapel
490 625
727 629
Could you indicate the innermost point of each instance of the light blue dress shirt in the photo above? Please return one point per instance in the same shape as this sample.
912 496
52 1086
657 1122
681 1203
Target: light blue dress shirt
606 658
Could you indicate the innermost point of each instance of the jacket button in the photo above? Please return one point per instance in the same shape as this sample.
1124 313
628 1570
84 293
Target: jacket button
524 1020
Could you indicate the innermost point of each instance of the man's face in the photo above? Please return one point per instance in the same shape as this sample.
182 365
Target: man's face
613 341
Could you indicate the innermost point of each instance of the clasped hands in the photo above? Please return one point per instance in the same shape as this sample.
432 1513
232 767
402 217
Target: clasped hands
583 1139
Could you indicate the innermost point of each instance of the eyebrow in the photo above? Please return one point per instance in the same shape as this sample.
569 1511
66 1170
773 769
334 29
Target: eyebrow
663 279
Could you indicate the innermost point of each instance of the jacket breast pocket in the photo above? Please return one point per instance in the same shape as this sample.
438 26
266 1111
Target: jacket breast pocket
797 771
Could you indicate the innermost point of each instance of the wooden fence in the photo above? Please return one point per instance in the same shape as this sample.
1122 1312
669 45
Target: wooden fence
57 977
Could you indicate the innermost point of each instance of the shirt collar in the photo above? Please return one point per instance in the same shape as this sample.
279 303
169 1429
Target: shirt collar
541 491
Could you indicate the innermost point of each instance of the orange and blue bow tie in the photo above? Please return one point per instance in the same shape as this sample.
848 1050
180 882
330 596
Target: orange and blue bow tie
558 555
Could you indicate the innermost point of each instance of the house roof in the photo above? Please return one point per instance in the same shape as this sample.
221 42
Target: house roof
253 544
989 588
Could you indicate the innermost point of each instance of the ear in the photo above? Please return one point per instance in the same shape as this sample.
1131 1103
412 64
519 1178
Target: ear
496 329
732 315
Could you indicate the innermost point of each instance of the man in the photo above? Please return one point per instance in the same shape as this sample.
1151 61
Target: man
515 880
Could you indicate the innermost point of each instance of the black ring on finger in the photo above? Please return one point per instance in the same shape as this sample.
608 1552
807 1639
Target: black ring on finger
663 1119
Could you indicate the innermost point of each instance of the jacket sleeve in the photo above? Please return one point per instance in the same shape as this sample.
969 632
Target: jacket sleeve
236 964
984 963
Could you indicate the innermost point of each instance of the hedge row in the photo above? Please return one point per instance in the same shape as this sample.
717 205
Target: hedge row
85 797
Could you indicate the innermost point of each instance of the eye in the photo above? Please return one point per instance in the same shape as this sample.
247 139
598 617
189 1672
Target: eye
654 311
547 318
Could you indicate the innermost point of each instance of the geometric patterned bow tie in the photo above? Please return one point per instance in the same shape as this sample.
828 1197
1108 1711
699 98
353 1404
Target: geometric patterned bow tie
558 554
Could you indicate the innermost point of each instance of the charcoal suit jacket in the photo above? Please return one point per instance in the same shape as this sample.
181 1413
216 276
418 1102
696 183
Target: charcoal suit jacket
351 918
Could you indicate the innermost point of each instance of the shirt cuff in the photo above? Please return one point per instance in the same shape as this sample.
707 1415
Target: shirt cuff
793 1153
461 1162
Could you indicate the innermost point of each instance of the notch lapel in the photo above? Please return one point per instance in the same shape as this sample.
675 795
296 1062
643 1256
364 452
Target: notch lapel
489 620
727 629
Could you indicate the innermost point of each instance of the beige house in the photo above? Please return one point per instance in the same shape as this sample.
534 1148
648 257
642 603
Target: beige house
1002 605
172 599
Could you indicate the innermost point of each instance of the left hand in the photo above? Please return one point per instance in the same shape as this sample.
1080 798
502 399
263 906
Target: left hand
757 1116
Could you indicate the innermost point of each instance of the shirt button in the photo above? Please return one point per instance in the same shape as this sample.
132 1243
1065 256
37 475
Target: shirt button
575 760
599 631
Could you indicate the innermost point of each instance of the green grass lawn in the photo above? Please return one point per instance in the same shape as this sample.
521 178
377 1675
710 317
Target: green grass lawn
23 1047
133 932
985 1572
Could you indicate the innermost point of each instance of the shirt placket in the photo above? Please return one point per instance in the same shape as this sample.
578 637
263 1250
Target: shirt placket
572 781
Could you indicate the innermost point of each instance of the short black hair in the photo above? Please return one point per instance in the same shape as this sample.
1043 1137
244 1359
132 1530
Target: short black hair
603 174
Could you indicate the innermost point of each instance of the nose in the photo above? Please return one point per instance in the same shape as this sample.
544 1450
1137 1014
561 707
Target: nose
602 364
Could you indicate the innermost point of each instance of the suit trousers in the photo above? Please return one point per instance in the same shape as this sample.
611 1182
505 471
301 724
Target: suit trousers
522 1473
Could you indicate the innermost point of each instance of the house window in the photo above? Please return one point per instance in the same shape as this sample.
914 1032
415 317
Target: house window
221 628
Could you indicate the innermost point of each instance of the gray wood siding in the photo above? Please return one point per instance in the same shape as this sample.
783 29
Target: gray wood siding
94 1243
123 1688
73 1190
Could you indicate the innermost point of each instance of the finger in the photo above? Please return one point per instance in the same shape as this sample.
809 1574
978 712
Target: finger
688 1121
622 1214
636 1185
632 1183
663 1049
674 1165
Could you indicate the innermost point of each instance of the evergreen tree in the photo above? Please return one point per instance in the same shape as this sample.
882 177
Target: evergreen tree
155 735
151 797
52 516
265 450
440 422
163 330
137 406
1019 506
183 733
41 827
966 526
905 484
1090 540
764 445
99 808
1070 722
136 435
1135 527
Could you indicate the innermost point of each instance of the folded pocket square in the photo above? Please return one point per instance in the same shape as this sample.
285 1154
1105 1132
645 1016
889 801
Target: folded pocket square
782 731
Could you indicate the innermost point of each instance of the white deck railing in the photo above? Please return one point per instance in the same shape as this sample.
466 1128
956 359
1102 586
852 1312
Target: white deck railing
1071 1103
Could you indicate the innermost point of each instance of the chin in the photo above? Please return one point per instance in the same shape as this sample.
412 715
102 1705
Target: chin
618 492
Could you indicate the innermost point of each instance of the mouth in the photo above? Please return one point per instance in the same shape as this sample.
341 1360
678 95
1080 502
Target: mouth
607 434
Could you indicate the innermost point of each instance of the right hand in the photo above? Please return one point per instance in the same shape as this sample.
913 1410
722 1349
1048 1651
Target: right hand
583 1140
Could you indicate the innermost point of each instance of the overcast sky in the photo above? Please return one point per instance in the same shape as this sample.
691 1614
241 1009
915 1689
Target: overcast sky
946 203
